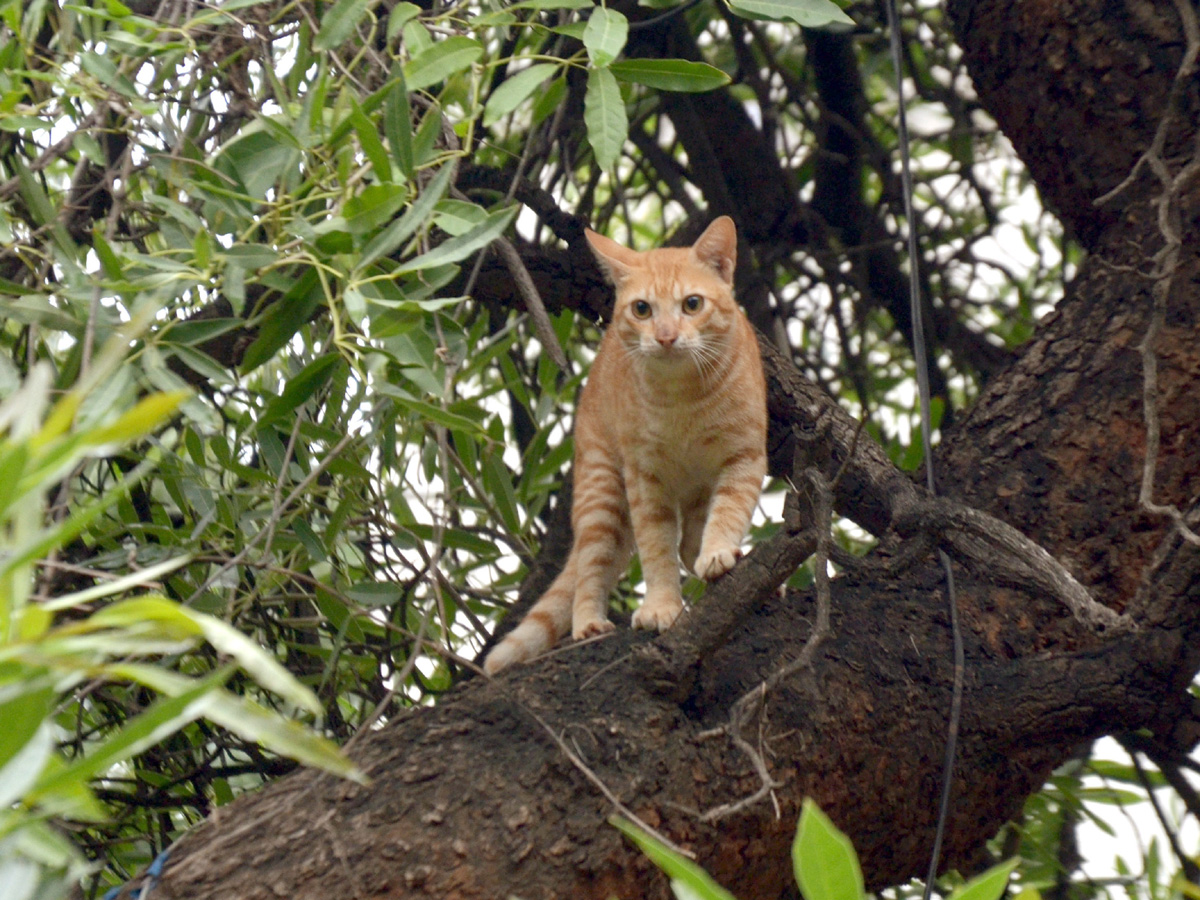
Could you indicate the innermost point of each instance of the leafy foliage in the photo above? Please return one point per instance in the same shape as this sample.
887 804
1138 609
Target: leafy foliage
293 204
824 862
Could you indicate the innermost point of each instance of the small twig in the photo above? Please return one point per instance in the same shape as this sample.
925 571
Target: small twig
1166 261
276 514
1004 553
533 302
753 702
602 787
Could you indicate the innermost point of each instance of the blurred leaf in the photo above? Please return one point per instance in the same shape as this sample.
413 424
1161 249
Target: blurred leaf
989 885
824 861
339 22
678 868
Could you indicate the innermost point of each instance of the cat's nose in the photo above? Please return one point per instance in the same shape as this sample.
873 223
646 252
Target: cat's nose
667 340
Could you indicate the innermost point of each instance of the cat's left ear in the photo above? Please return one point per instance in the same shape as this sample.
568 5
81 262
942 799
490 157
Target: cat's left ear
615 261
717 247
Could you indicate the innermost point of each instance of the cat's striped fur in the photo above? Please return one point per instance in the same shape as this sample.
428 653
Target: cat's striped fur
670 441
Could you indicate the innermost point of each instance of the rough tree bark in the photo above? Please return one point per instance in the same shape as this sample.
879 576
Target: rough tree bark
504 787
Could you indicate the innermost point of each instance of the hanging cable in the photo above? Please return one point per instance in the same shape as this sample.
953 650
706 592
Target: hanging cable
920 359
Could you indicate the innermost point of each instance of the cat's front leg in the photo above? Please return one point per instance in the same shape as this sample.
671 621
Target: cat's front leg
729 513
656 532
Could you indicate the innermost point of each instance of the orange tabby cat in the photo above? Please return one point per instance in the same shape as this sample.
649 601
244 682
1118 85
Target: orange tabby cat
670 441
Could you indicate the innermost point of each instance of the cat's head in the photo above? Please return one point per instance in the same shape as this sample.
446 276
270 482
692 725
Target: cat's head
674 306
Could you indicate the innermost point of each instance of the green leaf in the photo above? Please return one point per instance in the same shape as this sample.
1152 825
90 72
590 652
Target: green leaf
605 35
403 228
284 319
432 413
809 13
457 217
679 868
339 22
299 388
397 122
24 706
375 206
670 74
462 246
440 61
147 415
372 146
176 620
553 4
989 885
604 116
160 720
515 90
252 722
21 772
823 858
102 69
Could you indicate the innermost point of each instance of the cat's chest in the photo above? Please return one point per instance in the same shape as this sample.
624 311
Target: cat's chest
682 444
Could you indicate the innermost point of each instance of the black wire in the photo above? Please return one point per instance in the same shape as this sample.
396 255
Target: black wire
662 17
920 358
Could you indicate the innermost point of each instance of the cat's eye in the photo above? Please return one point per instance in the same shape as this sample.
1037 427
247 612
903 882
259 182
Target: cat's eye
641 309
692 303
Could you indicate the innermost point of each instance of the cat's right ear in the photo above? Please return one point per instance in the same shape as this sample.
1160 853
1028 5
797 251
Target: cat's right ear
615 261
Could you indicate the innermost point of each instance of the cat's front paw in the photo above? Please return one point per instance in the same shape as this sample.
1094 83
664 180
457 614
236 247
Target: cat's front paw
657 616
715 563
591 628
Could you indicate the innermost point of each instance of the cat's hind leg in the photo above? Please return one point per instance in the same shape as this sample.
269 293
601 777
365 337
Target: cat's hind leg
547 621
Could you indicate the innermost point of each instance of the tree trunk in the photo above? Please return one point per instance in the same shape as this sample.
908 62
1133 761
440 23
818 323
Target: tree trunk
505 786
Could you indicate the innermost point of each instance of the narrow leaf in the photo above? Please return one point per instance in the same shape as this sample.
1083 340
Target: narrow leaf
439 62
403 228
515 90
670 74
679 868
397 123
462 246
604 116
